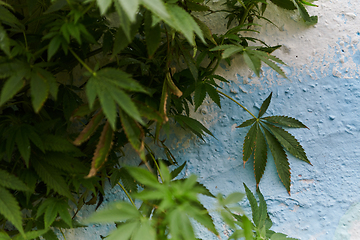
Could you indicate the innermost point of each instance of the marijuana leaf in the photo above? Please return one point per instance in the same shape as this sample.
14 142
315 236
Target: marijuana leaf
263 133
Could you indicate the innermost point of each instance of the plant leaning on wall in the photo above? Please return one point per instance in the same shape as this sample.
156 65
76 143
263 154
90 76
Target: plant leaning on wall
55 124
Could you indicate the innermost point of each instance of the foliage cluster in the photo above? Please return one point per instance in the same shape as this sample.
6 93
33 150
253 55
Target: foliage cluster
61 134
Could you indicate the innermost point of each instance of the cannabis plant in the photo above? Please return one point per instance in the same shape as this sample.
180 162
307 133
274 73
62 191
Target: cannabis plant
80 79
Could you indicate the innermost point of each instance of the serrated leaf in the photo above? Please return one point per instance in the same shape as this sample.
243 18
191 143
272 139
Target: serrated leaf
180 225
62 208
157 7
52 178
234 197
249 142
115 212
199 96
23 143
203 217
102 150
273 66
8 180
134 133
12 86
214 95
263 215
148 112
152 33
7 17
39 91
285 121
108 105
89 129
289 142
143 176
247 226
145 231
205 30
174 173
10 209
253 204
50 213
281 236
247 123
128 181
231 51
65 162
286 4
31 234
309 20
4 41
54 46
123 232
253 62
280 159
104 5
260 155
265 105
194 125
58 144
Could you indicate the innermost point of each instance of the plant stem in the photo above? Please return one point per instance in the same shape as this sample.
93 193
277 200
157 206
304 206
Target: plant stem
62 233
82 62
127 194
246 13
157 166
236 102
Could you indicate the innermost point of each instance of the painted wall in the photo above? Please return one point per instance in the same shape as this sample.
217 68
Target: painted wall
323 92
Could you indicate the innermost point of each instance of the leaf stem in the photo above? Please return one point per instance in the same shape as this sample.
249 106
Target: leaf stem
153 158
225 95
82 62
127 194
62 233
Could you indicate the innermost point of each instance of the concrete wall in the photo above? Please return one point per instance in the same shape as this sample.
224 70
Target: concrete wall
323 92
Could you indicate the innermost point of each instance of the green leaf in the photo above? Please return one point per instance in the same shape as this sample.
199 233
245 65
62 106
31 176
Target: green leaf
145 231
31 235
54 46
124 231
12 86
260 155
89 129
203 217
58 144
264 105
8 180
174 173
104 5
39 91
7 17
286 4
280 159
199 96
52 178
309 20
231 51
285 121
102 150
4 236
157 7
289 142
50 213
65 162
281 236
205 30
134 133
130 8
263 215
108 105
249 142
23 143
10 209
247 123
194 125
234 197
253 203
115 212
247 226
214 95
273 66
184 23
253 62
152 33
4 41
180 225
143 176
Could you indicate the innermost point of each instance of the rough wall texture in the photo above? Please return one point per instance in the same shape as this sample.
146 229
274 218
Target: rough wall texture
324 93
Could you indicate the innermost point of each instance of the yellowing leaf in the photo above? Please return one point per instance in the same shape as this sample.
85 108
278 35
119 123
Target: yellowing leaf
89 129
102 150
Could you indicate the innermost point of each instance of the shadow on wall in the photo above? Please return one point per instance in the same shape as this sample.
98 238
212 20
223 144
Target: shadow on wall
349 225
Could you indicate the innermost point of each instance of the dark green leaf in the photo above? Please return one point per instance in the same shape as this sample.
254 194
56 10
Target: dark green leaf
177 171
247 123
152 33
4 41
89 129
199 96
10 209
280 159
214 95
253 62
253 203
263 215
289 142
249 142
52 178
286 4
54 46
12 86
265 105
8 180
39 91
285 121
23 143
260 155
194 125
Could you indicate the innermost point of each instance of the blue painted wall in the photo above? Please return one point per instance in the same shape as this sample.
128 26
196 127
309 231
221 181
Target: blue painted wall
324 93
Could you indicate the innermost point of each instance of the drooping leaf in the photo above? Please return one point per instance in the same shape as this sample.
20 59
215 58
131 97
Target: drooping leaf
264 105
8 180
199 96
280 159
174 173
4 41
130 8
89 129
260 155
249 142
152 33
286 4
143 176
54 46
39 91
285 121
263 215
104 5
58 144
10 209
253 203
52 178
309 20
203 217
214 95
157 7
23 143
289 142
194 125
205 30
12 86
253 62
102 149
